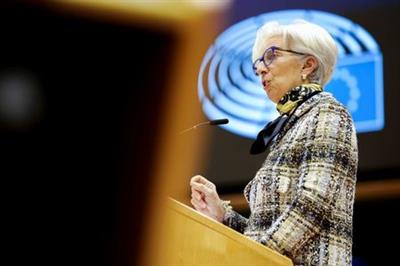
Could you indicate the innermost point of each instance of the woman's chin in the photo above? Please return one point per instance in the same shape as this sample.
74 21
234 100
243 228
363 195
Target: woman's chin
271 96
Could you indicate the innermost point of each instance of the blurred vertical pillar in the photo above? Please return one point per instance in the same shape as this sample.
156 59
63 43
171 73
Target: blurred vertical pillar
194 25
179 155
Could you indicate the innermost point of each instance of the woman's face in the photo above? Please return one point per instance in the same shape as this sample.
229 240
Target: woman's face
283 73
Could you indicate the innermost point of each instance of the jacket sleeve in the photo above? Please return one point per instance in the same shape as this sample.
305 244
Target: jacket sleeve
327 171
233 219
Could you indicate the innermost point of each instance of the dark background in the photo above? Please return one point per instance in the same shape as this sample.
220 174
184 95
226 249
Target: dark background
75 172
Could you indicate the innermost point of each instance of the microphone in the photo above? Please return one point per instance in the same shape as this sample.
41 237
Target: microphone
211 123
218 122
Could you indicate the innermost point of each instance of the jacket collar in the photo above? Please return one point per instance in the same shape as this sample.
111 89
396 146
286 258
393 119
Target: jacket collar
310 103
304 108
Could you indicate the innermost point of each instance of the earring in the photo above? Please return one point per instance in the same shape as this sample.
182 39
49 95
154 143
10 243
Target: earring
303 77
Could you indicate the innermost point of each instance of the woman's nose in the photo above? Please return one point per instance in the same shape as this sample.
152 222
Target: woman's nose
261 69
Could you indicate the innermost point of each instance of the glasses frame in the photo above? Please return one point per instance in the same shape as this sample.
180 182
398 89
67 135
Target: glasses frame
273 48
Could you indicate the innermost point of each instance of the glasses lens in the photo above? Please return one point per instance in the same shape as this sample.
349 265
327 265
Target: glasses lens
268 56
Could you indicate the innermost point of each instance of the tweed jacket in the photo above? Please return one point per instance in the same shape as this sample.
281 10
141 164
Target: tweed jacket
301 199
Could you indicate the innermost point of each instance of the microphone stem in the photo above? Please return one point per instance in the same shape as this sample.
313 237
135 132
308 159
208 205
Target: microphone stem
195 126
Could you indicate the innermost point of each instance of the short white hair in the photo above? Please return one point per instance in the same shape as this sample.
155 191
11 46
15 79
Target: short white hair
304 37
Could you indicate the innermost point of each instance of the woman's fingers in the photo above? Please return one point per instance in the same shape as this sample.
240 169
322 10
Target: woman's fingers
198 204
202 188
195 204
199 179
196 194
199 198
204 194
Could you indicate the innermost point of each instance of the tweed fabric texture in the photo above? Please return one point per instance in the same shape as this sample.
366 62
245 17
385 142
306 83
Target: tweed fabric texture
301 199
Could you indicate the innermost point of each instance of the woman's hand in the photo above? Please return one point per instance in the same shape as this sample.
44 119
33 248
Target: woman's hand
205 198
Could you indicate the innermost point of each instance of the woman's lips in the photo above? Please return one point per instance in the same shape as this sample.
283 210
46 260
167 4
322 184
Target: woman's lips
265 85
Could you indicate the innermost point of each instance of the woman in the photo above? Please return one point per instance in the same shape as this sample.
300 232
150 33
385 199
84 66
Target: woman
301 199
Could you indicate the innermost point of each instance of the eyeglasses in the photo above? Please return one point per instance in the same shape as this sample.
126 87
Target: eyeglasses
269 56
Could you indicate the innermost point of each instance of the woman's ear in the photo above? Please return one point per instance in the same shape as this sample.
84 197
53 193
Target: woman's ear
310 64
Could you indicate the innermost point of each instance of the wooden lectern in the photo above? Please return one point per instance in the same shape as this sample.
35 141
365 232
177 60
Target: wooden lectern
195 239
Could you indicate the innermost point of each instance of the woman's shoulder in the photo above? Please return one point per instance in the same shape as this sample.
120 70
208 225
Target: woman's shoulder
325 111
326 102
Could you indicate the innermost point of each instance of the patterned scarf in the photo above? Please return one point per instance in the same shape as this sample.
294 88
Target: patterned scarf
286 107
296 96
